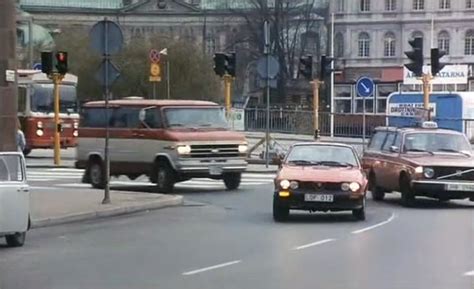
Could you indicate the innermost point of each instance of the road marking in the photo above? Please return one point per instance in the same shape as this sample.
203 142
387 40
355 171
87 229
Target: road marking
39 179
471 273
314 244
42 188
376 225
211 268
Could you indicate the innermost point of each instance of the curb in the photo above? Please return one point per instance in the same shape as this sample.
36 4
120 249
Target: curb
93 215
261 172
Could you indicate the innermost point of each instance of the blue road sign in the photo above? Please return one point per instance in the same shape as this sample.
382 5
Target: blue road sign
37 66
365 87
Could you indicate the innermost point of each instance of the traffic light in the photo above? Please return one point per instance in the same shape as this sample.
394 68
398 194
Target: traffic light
416 56
436 65
220 64
230 66
61 62
47 62
306 66
325 68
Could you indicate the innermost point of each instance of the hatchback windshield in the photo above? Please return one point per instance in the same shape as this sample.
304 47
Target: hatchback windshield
322 155
196 117
436 142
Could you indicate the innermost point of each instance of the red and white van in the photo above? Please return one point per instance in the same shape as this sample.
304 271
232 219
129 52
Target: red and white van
36 110
170 141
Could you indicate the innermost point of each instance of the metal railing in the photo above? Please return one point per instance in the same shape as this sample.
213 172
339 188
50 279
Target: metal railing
345 125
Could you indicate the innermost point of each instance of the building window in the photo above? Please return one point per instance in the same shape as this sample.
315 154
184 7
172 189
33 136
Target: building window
418 4
469 43
364 5
443 41
469 4
444 4
364 45
390 5
340 6
339 45
389 45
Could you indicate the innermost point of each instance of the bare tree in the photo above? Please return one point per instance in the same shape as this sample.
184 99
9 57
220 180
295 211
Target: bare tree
290 21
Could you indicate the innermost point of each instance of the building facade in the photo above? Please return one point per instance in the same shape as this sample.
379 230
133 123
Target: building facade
371 38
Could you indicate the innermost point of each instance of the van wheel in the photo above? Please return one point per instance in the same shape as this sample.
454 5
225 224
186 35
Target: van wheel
96 174
408 198
165 177
377 193
232 180
16 240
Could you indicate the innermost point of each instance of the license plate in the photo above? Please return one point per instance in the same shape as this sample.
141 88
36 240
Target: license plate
215 171
318 198
460 187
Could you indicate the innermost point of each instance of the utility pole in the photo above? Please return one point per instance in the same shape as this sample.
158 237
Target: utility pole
8 86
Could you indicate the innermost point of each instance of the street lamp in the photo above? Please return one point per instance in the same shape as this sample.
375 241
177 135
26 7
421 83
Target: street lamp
165 53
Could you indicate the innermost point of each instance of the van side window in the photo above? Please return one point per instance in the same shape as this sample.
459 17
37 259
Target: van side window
153 118
389 141
94 117
377 140
126 117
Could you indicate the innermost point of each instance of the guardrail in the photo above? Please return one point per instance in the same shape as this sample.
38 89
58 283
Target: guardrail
345 125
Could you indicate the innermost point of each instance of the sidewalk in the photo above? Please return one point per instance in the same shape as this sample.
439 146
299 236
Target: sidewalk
58 206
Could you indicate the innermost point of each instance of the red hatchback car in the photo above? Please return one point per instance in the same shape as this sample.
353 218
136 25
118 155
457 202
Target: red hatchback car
320 177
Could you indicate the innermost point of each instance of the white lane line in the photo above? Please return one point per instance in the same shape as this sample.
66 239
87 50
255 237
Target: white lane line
39 179
65 170
211 268
313 244
77 185
471 273
42 188
392 217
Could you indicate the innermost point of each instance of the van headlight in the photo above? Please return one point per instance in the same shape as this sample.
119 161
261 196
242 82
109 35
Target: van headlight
183 149
243 148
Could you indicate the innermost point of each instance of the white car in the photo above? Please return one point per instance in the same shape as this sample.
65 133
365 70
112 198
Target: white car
14 199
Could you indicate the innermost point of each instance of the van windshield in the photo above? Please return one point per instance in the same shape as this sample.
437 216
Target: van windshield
42 99
213 117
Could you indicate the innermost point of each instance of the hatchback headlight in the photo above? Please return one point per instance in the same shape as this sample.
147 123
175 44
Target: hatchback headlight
285 184
39 132
345 187
243 148
428 173
354 186
183 149
39 124
294 185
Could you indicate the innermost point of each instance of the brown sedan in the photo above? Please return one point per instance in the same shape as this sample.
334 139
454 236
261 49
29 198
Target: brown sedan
320 177
424 161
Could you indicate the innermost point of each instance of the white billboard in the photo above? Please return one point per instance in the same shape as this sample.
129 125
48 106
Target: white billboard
451 74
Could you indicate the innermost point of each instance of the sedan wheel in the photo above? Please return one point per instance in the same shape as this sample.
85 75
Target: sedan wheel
408 198
377 193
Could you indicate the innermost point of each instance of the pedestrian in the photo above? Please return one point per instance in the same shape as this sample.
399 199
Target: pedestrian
20 138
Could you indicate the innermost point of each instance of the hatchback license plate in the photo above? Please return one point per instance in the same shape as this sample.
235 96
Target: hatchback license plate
318 198
460 187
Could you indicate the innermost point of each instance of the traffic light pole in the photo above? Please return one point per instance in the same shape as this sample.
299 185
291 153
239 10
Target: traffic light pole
228 95
57 78
426 79
316 85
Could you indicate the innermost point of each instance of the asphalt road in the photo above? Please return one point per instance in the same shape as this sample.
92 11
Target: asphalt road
222 239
